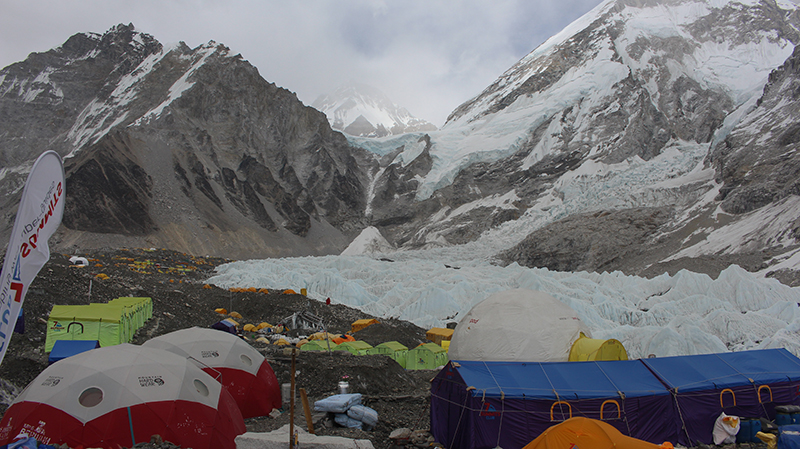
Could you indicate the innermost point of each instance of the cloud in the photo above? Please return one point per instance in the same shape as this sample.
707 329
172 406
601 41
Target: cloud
428 56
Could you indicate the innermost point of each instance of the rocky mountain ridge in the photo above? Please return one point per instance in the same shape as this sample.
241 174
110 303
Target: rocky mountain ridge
644 138
183 148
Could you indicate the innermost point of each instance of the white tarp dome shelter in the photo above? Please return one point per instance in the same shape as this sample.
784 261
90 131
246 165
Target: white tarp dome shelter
517 326
123 394
243 370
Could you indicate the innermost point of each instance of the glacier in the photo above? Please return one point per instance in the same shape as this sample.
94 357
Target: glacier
687 313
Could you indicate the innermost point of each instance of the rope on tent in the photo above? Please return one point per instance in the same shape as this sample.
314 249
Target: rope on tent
680 415
461 416
502 412
219 374
619 392
502 402
555 392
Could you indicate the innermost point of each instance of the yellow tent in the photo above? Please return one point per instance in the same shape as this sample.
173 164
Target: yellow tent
249 328
592 349
438 334
445 345
361 324
236 315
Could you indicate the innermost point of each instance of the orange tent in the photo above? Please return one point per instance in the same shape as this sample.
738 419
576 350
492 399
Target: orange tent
343 338
584 432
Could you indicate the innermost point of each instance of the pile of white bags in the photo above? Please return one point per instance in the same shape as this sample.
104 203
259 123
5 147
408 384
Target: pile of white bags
348 411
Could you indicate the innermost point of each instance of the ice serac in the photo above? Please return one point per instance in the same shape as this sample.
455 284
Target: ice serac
627 111
361 110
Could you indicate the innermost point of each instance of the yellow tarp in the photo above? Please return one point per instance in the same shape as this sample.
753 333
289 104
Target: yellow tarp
361 324
593 349
322 336
438 334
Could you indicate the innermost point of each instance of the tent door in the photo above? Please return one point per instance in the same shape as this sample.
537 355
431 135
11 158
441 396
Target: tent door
77 331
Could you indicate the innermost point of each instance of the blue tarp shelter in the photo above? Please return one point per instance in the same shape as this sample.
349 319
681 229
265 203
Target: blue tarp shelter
747 384
508 404
479 405
67 348
225 326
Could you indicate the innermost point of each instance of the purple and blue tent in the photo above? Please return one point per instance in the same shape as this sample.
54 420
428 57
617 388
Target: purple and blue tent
507 404
748 384
478 405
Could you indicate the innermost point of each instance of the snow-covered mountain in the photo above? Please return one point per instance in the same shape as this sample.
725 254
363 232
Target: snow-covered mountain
173 147
645 137
361 110
611 145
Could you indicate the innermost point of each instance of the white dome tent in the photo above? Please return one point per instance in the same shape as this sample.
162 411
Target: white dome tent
123 394
517 326
246 374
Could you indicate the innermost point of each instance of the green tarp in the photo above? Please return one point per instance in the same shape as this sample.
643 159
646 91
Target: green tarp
426 356
110 324
318 345
354 347
393 349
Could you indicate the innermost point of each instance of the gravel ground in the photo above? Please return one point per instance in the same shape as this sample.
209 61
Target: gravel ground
182 299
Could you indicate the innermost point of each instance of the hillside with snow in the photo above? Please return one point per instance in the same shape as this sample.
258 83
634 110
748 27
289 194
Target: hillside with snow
626 109
643 138
364 111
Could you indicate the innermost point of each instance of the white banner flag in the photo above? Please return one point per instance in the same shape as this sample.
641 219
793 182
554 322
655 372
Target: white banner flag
38 217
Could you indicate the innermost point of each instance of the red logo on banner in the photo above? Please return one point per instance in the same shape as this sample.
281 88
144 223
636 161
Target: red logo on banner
17 287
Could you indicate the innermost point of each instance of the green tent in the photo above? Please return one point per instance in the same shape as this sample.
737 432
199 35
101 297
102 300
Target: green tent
85 322
393 349
110 324
143 308
318 345
426 356
354 347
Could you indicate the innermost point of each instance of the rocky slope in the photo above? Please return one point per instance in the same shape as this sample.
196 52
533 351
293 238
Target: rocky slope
183 148
634 106
181 299
684 107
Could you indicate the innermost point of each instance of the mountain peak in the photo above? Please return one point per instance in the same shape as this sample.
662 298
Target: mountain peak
362 110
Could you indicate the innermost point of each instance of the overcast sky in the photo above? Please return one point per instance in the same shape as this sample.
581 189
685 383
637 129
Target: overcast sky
428 56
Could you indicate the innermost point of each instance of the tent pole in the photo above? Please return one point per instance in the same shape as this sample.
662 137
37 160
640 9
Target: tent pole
130 422
291 404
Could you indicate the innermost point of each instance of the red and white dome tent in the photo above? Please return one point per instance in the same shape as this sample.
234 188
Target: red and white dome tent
120 395
237 365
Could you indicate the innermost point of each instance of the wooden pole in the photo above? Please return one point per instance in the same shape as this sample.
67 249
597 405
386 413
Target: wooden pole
291 404
309 421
